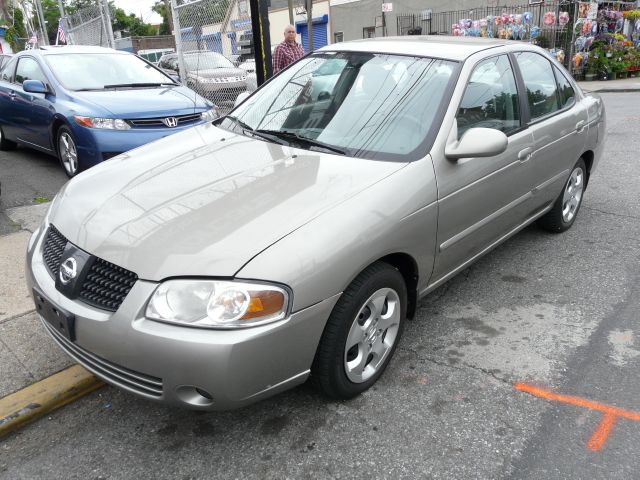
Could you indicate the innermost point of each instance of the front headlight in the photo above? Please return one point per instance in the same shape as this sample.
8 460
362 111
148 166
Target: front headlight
210 115
217 304
103 123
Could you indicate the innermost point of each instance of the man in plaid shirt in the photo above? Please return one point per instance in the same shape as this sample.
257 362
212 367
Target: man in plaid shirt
288 51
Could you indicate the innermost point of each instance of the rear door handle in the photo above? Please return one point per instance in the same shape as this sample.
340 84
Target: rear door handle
525 154
580 126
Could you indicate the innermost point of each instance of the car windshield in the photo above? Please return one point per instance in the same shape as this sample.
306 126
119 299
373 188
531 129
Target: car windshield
206 60
95 71
365 105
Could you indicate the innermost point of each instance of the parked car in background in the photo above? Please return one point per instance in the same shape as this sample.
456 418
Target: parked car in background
4 58
249 66
293 237
88 104
153 55
210 74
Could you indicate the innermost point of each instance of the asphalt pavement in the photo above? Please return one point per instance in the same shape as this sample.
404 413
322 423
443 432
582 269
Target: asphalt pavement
523 366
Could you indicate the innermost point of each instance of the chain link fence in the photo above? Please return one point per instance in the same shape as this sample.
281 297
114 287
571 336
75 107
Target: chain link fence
88 26
209 34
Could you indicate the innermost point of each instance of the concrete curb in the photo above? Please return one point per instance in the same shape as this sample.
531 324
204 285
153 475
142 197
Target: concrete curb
45 396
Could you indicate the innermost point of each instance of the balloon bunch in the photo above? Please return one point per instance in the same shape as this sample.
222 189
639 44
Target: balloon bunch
506 26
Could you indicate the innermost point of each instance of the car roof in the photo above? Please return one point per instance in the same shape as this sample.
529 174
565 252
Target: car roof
435 46
64 49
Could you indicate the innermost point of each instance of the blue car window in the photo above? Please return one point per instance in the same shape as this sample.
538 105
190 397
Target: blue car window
28 69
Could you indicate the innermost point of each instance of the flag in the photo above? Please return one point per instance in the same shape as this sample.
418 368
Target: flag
61 35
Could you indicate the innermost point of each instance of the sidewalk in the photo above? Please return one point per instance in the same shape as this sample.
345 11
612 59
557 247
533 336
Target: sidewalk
27 353
623 85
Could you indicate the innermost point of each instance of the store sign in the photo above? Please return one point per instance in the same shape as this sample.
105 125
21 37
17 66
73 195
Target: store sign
387 7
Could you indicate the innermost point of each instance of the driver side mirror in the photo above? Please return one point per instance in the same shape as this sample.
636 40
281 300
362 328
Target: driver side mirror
34 86
475 142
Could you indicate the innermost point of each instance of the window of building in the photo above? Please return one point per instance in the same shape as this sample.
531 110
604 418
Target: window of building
338 37
369 32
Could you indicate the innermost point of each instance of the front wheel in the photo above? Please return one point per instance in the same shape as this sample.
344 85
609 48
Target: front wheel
565 209
67 151
362 333
4 143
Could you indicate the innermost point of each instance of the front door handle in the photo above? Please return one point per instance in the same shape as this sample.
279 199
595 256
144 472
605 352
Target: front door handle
525 154
580 126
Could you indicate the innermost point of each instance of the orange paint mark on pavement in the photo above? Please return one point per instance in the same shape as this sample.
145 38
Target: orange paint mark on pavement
611 414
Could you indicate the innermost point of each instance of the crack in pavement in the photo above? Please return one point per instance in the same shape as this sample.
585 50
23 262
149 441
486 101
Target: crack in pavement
455 367
23 314
31 374
611 213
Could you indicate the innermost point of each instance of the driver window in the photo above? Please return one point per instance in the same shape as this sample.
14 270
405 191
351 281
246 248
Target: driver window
28 69
491 98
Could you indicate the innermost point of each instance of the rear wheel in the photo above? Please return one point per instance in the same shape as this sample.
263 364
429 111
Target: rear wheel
565 209
362 333
67 151
4 143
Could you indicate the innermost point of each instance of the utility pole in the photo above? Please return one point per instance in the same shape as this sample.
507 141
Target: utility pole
107 14
290 11
41 21
310 24
61 7
167 6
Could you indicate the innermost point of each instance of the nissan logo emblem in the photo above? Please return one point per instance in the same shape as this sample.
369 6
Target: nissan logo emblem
170 122
68 270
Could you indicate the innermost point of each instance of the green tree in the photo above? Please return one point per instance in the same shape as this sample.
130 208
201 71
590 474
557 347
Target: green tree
160 7
132 24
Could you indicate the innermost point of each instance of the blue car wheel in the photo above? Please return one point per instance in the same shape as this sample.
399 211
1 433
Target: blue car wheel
4 143
67 151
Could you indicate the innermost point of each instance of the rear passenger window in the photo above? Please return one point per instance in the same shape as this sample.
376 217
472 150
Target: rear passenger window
542 91
565 90
491 98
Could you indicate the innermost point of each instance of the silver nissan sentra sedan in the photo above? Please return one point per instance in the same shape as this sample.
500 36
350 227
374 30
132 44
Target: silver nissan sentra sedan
292 238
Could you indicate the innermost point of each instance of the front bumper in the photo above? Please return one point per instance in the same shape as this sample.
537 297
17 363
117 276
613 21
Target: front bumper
197 368
95 145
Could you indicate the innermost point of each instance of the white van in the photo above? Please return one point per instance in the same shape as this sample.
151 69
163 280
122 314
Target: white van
153 55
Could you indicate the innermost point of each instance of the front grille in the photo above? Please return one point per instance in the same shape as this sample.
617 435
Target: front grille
53 248
158 122
137 382
105 286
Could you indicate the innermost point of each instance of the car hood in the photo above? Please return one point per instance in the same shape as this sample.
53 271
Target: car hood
203 202
218 72
145 102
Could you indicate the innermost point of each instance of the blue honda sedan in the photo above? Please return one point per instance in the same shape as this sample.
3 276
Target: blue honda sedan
88 104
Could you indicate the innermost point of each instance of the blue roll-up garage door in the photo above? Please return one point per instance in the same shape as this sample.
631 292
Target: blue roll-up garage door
320 25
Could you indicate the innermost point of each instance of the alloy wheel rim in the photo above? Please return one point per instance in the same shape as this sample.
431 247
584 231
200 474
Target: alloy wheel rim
572 195
68 153
372 335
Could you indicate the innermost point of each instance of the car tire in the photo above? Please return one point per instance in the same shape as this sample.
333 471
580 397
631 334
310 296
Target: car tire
67 151
565 209
361 334
6 144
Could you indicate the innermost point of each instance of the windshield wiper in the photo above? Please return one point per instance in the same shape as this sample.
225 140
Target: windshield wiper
255 133
292 136
142 85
